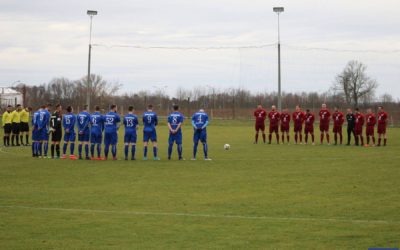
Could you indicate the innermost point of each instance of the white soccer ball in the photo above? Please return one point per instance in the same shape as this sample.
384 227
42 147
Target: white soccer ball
227 146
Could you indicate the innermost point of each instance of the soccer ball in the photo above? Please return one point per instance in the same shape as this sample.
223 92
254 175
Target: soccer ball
227 146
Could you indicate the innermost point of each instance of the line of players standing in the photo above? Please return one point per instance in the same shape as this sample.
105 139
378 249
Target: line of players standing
16 126
93 128
355 123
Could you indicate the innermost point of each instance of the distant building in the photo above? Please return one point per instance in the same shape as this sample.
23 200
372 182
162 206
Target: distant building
9 96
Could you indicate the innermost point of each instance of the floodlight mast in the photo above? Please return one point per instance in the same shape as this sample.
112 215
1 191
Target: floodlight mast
279 10
90 13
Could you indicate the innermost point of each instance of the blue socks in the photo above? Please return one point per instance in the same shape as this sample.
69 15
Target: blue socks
205 149
92 149
126 151
65 148
195 149
145 151
72 148
114 150
180 151
46 148
170 150
87 150
80 150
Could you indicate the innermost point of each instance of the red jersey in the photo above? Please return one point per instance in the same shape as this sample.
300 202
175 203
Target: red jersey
285 119
298 117
382 118
359 120
309 119
260 115
324 116
338 119
370 120
273 118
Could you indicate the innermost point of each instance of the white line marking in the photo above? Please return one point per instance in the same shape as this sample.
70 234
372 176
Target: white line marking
223 216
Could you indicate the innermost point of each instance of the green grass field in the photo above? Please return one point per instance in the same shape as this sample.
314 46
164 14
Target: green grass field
250 197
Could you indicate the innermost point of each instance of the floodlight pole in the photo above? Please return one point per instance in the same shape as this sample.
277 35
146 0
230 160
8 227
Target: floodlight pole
279 10
91 13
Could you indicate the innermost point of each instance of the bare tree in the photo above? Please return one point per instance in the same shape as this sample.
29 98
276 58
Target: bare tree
354 84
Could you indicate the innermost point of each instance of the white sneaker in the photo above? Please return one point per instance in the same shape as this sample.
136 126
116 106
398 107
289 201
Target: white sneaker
193 159
207 159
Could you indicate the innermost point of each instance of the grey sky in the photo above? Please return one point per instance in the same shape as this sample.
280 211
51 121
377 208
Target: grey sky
45 39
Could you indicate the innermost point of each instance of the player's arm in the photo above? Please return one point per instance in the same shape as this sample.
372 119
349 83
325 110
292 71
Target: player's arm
205 124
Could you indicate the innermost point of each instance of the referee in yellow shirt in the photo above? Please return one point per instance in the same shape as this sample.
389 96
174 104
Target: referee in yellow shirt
16 120
6 120
24 125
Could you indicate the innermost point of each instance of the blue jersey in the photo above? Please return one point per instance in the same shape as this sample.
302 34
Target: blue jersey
43 120
111 120
83 121
200 120
96 123
130 123
174 119
150 121
69 121
35 119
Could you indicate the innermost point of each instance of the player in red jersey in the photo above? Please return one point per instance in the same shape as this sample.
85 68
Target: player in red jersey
370 122
358 127
324 118
382 123
260 114
309 126
285 124
273 124
338 120
298 119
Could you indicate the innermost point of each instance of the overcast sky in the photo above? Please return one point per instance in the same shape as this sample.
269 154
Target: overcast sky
44 39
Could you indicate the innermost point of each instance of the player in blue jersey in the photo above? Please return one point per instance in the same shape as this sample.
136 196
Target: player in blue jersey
96 132
42 122
83 119
69 121
131 123
200 123
175 120
150 121
111 125
35 133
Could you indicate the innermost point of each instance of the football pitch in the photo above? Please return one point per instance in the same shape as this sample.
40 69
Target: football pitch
248 197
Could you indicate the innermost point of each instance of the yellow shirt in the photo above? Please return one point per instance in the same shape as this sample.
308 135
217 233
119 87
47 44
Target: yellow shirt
24 116
6 119
16 117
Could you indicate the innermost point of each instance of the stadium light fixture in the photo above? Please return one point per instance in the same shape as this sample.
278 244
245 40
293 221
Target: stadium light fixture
279 10
90 13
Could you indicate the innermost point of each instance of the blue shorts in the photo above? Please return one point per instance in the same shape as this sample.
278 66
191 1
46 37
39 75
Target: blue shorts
150 136
96 138
70 137
43 135
200 135
35 135
177 138
110 138
85 136
130 138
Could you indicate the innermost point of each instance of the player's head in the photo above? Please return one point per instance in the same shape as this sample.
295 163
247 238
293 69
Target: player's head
85 107
201 110
349 111
380 108
298 108
175 107
113 107
150 107
323 106
48 106
97 108
259 106
357 110
18 107
273 107
336 109
369 111
29 109
285 110
9 107
43 107
307 111
58 107
130 109
69 109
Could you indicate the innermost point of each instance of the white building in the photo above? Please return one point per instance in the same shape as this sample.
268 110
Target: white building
9 96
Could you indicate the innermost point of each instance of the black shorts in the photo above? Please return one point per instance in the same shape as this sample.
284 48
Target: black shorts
15 128
7 128
56 136
24 127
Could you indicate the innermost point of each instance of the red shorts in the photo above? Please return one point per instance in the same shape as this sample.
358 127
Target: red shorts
309 129
260 126
298 127
285 128
324 127
358 131
370 131
381 129
337 129
273 129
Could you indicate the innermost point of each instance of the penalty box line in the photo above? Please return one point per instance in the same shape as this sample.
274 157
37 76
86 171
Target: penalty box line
194 215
